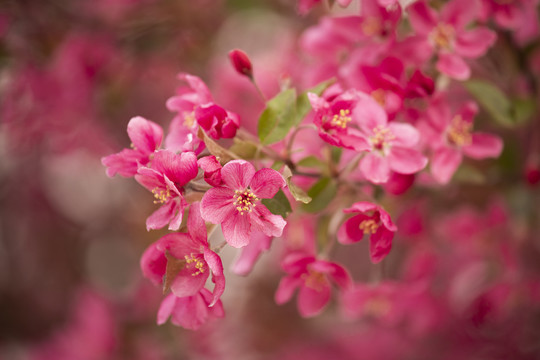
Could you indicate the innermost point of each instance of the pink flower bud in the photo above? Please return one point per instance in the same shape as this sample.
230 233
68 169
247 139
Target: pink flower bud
241 62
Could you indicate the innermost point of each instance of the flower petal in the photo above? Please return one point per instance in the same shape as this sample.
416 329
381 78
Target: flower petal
214 263
405 135
187 283
311 302
406 161
444 164
474 43
145 135
375 168
179 168
237 230
263 220
258 243
266 183
453 66
380 244
166 308
423 19
349 232
161 216
484 146
285 289
217 204
196 225
237 174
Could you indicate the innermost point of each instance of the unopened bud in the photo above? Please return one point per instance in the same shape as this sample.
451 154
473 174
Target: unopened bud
241 63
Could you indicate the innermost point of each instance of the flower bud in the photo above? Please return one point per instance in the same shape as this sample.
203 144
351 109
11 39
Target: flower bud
241 63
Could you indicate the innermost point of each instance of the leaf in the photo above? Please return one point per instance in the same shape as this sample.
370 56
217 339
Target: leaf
493 100
244 149
296 192
278 117
215 149
278 205
311 162
523 110
467 174
303 106
322 193
173 267
335 154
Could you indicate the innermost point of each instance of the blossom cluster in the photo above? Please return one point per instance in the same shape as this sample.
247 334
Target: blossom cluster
379 103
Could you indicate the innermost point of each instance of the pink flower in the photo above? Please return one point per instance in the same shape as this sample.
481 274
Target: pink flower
335 122
258 243
313 277
190 312
170 172
212 170
453 137
146 137
378 225
187 254
216 121
236 204
183 128
448 34
392 145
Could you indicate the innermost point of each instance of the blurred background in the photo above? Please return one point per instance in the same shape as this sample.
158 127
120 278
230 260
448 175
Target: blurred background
72 74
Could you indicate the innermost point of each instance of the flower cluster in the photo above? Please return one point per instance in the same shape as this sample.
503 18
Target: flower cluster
381 103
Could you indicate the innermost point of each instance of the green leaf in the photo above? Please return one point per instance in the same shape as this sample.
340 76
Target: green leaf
303 105
296 192
244 149
278 117
467 174
493 100
523 110
311 162
278 205
322 193
215 149
335 154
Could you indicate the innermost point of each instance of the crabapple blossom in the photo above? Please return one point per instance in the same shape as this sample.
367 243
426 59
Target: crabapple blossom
236 203
190 312
378 225
166 178
187 257
447 34
392 144
314 278
146 137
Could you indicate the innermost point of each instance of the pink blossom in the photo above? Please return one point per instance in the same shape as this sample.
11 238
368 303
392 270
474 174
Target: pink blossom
314 278
212 170
453 137
448 34
241 63
517 15
166 178
334 120
187 253
392 144
258 243
371 301
236 203
190 312
378 225
216 121
146 137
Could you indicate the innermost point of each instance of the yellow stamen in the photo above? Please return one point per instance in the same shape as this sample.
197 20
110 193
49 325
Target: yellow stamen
369 226
162 196
381 137
245 201
341 119
198 264
314 280
459 132
443 36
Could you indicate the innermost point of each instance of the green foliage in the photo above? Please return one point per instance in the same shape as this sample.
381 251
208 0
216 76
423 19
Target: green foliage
322 193
278 205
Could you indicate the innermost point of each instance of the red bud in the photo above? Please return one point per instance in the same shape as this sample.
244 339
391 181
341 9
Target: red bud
241 63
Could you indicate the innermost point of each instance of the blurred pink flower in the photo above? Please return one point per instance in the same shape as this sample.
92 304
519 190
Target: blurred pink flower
190 312
314 277
378 225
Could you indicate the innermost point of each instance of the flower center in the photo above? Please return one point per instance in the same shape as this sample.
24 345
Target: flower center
372 26
380 96
442 36
245 201
197 264
314 280
162 196
381 137
189 119
459 132
342 119
377 306
369 226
